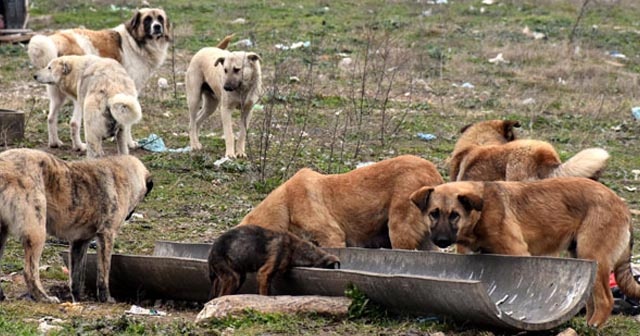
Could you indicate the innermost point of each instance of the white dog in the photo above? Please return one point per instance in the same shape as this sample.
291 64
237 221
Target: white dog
229 79
105 93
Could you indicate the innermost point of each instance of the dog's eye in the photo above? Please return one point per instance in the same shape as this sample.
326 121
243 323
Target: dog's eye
147 20
453 217
225 70
160 19
434 215
236 70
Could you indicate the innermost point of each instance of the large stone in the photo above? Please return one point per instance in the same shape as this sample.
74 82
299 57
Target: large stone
233 305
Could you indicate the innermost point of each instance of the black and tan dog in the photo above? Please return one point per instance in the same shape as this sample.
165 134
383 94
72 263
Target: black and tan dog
75 201
489 151
542 217
250 248
366 207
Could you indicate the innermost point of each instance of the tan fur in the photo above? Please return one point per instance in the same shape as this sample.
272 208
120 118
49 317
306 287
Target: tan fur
367 207
489 151
106 95
543 217
231 80
75 201
140 50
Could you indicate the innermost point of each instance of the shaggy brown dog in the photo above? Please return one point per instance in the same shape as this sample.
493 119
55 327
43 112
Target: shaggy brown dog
250 248
489 151
367 207
542 217
75 201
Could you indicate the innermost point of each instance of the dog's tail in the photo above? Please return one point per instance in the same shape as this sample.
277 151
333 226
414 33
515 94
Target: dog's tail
225 42
41 50
125 109
587 163
624 277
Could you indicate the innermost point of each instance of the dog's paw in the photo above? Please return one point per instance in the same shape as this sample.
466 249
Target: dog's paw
196 146
81 147
55 143
51 299
133 144
241 156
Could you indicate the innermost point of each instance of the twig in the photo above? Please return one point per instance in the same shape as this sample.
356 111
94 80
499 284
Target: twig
575 26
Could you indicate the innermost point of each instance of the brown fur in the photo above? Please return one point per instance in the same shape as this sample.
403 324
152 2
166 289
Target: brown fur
367 207
250 248
75 201
140 45
489 151
543 217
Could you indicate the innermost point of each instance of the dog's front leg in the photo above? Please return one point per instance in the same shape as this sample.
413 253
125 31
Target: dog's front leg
77 262
122 140
227 128
56 100
105 245
126 129
76 121
245 119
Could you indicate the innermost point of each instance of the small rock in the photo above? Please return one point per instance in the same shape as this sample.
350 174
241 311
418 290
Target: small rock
568 332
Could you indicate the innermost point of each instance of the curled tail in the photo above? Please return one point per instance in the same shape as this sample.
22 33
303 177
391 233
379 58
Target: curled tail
41 50
587 163
125 109
624 277
225 42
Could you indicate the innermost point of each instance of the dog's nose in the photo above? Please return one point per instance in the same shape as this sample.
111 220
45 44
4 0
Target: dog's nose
35 77
228 87
157 28
442 242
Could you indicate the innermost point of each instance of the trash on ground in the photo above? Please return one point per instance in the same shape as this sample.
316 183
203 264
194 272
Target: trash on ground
154 143
636 173
221 161
239 21
533 34
295 45
258 107
635 111
498 59
488 2
426 136
49 324
528 101
137 310
465 85
244 43
616 54
630 188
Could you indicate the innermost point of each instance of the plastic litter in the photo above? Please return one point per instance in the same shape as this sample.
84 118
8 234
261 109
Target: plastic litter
49 324
623 304
154 143
137 310
636 112
528 101
426 136
488 2
244 43
498 59
221 161
533 34
467 85
295 45
635 173
616 54
239 21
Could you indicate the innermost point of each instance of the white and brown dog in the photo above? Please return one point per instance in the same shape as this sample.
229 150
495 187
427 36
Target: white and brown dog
229 79
139 44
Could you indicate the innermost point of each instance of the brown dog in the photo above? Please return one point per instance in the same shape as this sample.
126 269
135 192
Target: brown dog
250 248
367 207
76 201
489 151
538 218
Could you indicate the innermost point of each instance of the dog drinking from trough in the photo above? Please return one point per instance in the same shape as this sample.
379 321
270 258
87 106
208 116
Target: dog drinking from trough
544 217
251 248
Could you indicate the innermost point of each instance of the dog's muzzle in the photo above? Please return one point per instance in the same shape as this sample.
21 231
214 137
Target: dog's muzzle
156 29
442 242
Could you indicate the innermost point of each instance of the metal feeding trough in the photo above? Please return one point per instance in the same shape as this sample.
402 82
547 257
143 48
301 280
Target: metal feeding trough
527 293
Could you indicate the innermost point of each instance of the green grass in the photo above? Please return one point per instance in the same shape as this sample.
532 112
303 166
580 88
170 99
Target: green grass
417 50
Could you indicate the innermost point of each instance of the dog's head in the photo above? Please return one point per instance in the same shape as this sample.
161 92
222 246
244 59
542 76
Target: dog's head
149 24
239 68
452 211
140 180
490 132
54 71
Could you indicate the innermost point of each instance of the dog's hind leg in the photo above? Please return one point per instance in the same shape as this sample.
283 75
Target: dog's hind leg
77 261
123 136
602 297
74 125
32 222
4 234
245 119
56 100
105 245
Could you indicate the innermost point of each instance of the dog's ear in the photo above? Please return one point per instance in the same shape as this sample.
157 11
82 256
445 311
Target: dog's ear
253 57
420 197
471 202
66 68
133 24
465 128
508 129
220 60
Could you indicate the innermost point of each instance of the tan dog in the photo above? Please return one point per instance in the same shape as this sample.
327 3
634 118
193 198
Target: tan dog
105 93
75 201
367 207
489 151
228 79
139 44
543 217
